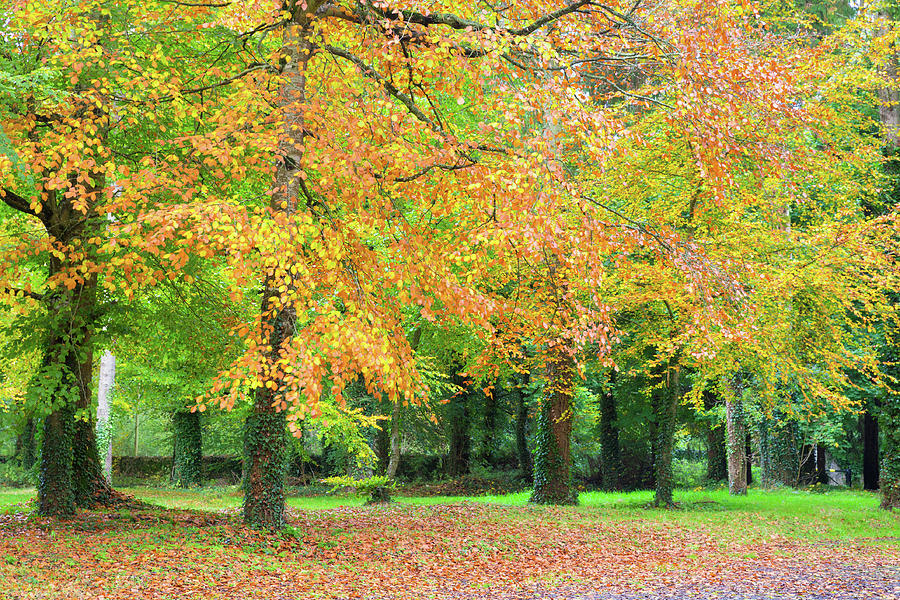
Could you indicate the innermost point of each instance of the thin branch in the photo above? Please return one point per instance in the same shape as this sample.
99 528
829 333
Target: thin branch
198 4
20 292
370 72
430 168
550 17
212 86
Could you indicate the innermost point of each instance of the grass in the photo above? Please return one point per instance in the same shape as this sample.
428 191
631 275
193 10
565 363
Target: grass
835 515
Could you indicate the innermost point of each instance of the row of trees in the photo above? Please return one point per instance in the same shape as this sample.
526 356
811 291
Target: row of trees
689 187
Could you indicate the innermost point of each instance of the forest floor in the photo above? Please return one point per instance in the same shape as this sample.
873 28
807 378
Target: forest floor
768 545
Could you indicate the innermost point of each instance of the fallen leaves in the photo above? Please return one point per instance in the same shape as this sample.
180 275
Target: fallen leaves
442 551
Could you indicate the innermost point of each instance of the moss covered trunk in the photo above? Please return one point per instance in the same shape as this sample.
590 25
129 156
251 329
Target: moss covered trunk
187 452
523 454
552 454
716 463
91 485
889 419
736 438
265 429
666 405
459 429
610 449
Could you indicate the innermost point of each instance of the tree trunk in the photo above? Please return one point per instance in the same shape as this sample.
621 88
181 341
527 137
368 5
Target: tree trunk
779 455
666 411
491 423
821 466
104 429
264 441
91 486
889 97
748 454
736 430
610 450
394 462
458 420
187 454
889 417
383 442
889 420
716 463
552 454
56 494
871 461
29 444
523 454
70 466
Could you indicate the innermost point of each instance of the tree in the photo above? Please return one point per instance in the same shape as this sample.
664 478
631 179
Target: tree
92 126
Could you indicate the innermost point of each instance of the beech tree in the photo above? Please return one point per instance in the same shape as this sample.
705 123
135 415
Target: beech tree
93 106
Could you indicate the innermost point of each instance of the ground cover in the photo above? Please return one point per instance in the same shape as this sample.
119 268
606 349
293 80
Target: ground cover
782 544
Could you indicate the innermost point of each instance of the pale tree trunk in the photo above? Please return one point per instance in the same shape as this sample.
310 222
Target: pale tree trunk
105 386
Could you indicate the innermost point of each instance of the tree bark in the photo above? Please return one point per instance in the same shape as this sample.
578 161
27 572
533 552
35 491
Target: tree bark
56 494
552 457
735 427
821 465
187 454
871 463
610 448
491 424
523 454
748 453
29 444
134 448
890 456
107 379
394 461
666 411
716 463
91 486
889 417
382 445
264 441
69 452
458 421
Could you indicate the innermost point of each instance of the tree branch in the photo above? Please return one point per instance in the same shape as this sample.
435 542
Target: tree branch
550 17
455 22
370 72
21 292
16 202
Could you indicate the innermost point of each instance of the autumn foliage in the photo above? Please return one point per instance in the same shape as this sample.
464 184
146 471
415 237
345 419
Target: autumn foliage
531 173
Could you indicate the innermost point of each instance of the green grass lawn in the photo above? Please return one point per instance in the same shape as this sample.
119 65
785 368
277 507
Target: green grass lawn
835 515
